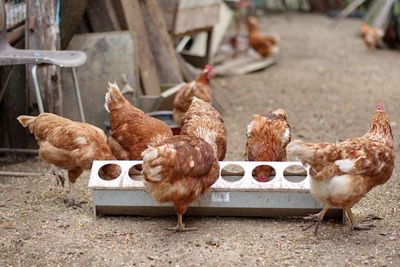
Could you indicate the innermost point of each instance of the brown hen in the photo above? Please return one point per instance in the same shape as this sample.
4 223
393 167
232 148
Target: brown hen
204 121
199 88
370 35
179 170
342 173
131 129
267 138
264 45
70 145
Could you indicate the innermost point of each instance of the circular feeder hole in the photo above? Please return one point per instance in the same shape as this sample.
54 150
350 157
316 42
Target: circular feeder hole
135 172
295 174
263 173
232 173
110 172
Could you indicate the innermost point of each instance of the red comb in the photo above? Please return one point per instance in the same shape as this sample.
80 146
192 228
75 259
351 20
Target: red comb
380 108
209 67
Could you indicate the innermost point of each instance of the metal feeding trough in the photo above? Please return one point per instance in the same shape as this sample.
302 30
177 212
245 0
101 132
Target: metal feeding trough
236 192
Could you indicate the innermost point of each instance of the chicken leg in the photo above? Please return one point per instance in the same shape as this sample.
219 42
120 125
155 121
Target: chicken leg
354 224
73 175
57 173
180 227
316 218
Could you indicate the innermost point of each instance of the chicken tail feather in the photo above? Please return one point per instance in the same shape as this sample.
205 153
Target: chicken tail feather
113 97
151 168
26 120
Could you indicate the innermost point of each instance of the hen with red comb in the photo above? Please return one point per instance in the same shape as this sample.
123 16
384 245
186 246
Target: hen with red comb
379 107
200 88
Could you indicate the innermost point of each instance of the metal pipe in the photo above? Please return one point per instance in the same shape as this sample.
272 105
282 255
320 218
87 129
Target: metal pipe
78 95
37 90
19 150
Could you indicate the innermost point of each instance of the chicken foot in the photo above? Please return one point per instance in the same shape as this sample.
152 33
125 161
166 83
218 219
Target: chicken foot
316 219
180 227
354 224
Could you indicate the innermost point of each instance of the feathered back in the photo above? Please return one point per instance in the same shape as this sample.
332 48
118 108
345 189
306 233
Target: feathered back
179 169
204 121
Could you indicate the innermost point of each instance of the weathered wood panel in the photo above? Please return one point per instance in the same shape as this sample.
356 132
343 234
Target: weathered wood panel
105 64
102 16
43 33
160 43
12 104
131 19
190 15
71 12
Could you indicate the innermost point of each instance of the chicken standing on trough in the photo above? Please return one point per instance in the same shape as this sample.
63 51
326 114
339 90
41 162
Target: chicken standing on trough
131 129
342 173
199 88
267 138
182 168
70 145
265 46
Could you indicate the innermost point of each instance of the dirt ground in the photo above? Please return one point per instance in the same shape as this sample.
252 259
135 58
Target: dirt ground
327 82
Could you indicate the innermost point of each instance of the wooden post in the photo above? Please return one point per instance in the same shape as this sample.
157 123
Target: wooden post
71 13
102 16
160 43
42 32
131 19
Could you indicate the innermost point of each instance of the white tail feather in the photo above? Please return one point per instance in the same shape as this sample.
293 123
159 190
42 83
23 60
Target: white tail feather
111 95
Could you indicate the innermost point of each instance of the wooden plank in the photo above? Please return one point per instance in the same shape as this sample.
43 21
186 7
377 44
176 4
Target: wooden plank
44 34
350 8
188 71
198 46
132 19
105 59
244 64
160 43
193 18
169 8
14 103
71 13
102 16
379 14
